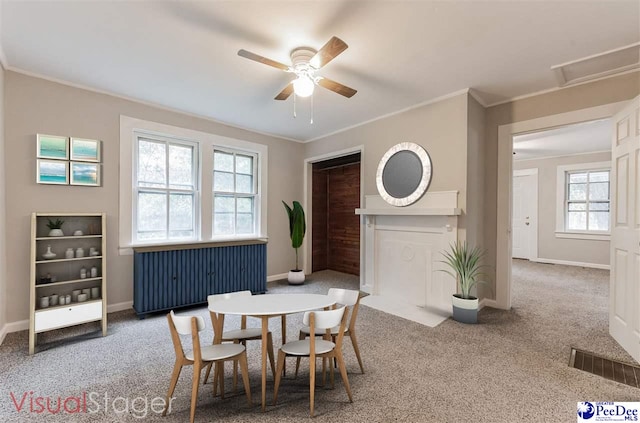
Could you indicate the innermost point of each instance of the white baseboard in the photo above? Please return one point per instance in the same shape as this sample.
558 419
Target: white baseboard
573 263
17 326
487 302
277 277
112 308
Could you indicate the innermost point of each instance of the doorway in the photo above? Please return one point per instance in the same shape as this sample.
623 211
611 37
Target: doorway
335 240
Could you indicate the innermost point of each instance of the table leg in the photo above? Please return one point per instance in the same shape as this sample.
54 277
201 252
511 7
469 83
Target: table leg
265 330
283 324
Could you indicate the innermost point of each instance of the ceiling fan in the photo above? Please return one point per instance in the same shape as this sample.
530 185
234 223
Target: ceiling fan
305 61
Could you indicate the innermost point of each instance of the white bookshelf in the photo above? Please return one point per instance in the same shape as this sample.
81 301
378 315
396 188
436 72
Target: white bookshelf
61 275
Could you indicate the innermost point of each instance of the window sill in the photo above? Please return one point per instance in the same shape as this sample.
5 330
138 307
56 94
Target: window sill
605 236
184 245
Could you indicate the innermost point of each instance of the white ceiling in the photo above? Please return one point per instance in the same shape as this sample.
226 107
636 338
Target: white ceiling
585 137
182 55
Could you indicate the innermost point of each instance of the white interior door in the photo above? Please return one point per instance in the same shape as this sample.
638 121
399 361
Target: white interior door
525 215
624 292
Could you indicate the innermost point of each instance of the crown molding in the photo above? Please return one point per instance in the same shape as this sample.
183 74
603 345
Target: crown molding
146 103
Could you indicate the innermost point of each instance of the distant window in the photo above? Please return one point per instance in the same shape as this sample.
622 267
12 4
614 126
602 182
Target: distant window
235 192
587 201
166 189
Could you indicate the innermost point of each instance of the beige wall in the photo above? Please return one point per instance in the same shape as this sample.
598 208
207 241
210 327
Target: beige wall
550 247
35 105
598 93
475 172
440 128
3 221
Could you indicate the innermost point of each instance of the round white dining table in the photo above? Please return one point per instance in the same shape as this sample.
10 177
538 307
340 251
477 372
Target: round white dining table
264 307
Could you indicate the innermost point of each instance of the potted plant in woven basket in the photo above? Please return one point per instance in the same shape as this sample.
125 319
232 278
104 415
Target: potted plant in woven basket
466 268
297 229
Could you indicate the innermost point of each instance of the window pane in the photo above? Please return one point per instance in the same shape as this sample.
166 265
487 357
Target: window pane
577 191
180 167
577 206
244 164
222 161
604 206
599 191
244 223
244 184
599 176
181 212
223 204
577 178
245 205
152 215
223 223
577 221
151 164
599 221
222 181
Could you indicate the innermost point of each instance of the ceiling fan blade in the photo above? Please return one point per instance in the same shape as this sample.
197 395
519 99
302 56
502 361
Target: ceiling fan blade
256 57
337 87
328 52
285 93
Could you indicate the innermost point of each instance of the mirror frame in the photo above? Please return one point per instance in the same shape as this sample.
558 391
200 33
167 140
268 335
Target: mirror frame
427 167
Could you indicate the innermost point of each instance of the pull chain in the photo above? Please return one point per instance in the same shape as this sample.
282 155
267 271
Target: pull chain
294 106
311 121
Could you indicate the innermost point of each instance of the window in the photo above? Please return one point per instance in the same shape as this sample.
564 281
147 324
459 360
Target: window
583 201
168 185
587 201
234 192
166 189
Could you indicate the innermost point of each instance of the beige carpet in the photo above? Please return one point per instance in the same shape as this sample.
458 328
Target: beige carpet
510 367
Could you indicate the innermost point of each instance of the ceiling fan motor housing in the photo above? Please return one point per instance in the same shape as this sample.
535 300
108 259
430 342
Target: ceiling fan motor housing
301 56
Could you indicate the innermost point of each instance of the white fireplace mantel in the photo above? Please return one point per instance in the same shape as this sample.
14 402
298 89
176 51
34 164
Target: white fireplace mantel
402 255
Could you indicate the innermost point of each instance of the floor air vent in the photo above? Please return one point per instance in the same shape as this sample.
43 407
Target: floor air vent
608 369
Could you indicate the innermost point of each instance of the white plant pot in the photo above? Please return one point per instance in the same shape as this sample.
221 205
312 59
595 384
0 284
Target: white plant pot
296 277
56 232
465 310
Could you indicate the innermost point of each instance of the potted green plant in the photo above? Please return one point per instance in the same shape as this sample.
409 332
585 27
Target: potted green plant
465 264
55 227
297 229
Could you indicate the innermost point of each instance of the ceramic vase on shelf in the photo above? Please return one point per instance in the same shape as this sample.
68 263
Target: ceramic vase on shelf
56 232
49 254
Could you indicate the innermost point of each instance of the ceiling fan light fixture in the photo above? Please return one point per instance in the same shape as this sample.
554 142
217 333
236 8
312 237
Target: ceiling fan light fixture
303 86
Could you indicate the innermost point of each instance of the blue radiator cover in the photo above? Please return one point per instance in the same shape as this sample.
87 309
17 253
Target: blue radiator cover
165 280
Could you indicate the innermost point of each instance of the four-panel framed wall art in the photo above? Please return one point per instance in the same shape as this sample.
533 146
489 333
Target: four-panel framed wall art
67 161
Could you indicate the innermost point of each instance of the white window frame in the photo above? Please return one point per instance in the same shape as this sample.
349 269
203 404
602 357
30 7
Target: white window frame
206 142
167 141
561 201
255 194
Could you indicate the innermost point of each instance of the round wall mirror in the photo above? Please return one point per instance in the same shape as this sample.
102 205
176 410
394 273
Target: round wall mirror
404 174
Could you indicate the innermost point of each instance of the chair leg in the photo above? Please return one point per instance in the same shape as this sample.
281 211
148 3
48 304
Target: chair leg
272 360
300 338
235 368
172 386
206 375
332 378
343 373
281 357
220 368
312 383
244 369
194 389
354 342
324 371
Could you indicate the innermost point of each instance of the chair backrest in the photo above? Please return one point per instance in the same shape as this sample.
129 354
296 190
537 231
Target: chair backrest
183 323
346 297
324 319
212 299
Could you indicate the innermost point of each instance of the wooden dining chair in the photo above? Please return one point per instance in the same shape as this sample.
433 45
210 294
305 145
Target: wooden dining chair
237 336
351 299
199 357
319 322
